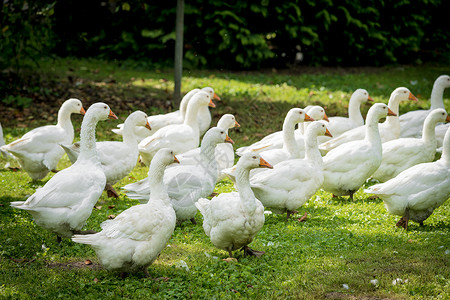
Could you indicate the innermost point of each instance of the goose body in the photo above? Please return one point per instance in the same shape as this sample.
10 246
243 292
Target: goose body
389 129
134 239
176 117
411 123
65 202
224 152
416 192
403 153
292 182
186 183
118 159
38 151
349 165
232 220
276 140
178 137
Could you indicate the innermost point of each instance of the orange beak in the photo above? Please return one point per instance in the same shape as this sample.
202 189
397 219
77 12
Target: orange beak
82 111
236 124
391 113
327 133
308 118
111 115
412 97
216 97
325 117
211 103
264 164
175 160
369 98
148 126
229 140
447 119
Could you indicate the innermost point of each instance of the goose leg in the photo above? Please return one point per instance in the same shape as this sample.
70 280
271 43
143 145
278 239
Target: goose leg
403 222
230 253
58 239
123 275
249 251
193 221
289 213
147 274
55 171
111 192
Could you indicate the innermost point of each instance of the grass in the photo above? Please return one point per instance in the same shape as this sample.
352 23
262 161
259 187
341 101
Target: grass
341 244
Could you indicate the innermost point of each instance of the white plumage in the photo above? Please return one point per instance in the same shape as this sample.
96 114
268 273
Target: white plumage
232 220
178 137
176 117
416 192
411 123
403 153
118 159
186 183
38 151
134 239
65 202
275 140
389 129
349 165
292 182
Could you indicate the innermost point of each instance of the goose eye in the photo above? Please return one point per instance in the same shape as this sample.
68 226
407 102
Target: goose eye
254 157
221 132
301 112
104 107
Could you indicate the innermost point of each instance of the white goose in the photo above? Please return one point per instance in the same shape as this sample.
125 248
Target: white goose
292 182
118 159
416 192
291 147
349 165
389 129
134 239
3 153
178 137
339 125
224 152
187 183
38 151
232 220
176 117
66 201
275 140
403 153
411 123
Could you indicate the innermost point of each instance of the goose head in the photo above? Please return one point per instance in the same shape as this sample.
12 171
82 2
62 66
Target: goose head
361 96
251 161
379 111
73 106
318 128
139 118
201 99
228 121
443 81
402 94
165 156
317 112
101 111
297 115
217 135
211 92
438 115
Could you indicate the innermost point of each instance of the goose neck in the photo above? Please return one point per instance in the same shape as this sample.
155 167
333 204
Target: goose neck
437 96
354 111
208 156
87 138
156 181
429 131
446 148
64 121
245 192
312 151
128 135
289 142
372 130
191 114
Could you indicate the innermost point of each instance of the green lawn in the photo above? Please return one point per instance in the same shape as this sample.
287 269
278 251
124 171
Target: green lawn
344 250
